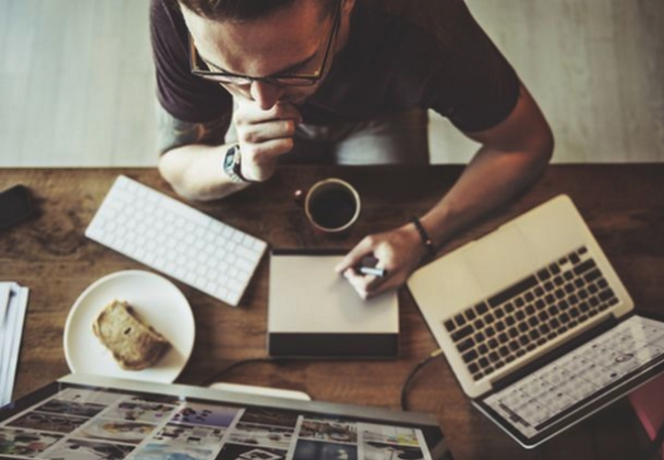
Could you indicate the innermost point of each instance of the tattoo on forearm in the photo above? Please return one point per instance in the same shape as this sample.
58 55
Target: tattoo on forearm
173 133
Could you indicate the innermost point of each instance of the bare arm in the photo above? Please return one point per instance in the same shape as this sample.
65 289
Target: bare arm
513 155
192 155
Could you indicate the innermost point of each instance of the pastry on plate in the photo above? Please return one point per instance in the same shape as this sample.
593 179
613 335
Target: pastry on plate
134 344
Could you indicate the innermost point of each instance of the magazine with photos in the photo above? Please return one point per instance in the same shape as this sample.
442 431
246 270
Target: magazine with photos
89 424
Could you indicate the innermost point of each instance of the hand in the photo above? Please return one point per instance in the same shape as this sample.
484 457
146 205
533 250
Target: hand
263 136
398 251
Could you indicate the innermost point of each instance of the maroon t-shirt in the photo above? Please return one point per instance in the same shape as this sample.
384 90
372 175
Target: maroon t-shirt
400 55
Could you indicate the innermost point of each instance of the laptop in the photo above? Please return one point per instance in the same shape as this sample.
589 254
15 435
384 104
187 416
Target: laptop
83 417
536 325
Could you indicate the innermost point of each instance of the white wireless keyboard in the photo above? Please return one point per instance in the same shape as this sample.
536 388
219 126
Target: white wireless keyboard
177 240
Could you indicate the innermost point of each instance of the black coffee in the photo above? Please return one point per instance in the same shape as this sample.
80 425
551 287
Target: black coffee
332 208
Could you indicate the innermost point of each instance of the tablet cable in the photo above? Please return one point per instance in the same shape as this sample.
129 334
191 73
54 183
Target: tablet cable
413 373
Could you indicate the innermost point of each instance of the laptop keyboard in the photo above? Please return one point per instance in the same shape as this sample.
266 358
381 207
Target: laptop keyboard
530 313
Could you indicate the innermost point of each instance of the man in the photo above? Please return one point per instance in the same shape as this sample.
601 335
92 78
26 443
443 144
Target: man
346 81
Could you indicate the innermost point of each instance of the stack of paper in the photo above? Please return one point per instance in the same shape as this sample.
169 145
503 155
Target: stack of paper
13 305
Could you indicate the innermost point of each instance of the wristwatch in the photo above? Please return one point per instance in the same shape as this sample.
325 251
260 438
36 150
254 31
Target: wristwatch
232 165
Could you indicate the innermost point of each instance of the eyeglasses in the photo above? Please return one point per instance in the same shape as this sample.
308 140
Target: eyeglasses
199 68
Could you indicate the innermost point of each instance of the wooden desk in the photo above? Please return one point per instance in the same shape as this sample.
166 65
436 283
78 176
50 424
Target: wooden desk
623 205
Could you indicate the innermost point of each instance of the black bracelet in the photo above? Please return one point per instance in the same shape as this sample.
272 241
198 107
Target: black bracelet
426 239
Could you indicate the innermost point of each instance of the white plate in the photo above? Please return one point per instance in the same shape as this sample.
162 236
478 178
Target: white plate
156 300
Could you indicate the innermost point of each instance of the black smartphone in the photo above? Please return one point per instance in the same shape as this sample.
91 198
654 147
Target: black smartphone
15 206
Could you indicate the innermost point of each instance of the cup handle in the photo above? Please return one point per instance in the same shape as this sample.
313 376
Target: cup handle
298 197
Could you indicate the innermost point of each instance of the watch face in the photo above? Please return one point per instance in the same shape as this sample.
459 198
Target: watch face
228 161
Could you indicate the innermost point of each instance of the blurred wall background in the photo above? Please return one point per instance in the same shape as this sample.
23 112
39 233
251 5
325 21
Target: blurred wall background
77 84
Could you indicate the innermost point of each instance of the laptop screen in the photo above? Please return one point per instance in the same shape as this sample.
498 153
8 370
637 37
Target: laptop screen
72 420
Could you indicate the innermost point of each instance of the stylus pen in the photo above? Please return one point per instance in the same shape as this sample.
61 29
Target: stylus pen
373 271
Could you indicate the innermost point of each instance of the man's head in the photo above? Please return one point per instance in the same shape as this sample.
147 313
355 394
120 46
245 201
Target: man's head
243 10
267 40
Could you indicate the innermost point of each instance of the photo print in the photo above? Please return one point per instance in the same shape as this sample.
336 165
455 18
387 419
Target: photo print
24 443
104 398
48 422
205 414
151 412
174 452
78 409
315 450
382 451
388 434
199 436
329 430
262 435
73 449
269 417
239 452
117 431
163 399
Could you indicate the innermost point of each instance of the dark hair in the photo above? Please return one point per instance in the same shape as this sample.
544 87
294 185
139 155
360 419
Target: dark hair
243 10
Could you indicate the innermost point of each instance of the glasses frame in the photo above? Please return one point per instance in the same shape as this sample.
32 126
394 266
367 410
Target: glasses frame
276 80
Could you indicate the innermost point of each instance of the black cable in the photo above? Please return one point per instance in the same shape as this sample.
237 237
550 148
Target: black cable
235 365
411 376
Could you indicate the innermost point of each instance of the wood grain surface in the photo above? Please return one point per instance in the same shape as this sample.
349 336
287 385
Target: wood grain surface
623 205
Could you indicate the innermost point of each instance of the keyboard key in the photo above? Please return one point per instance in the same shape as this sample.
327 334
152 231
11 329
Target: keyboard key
481 308
479 324
479 337
592 276
470 315
493 343
460 320
470 356
465 345
473 368
606 294
574 259
482 349
449 325
543 274
462 333
584 267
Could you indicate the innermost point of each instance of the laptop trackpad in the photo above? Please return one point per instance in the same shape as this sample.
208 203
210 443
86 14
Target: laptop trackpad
500 259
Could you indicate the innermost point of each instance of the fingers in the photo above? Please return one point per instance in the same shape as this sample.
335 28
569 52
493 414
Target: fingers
263 136
363 249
